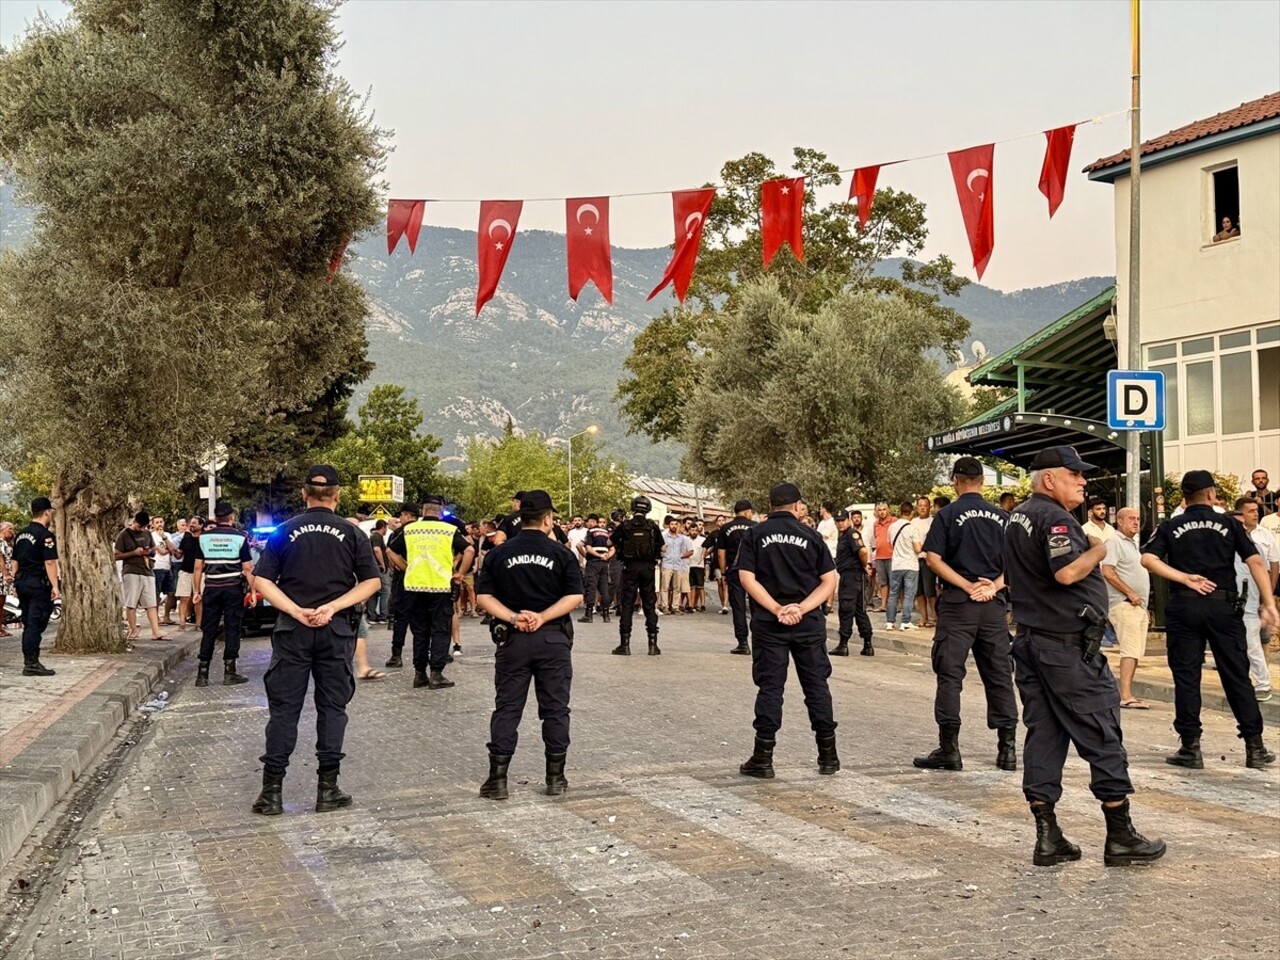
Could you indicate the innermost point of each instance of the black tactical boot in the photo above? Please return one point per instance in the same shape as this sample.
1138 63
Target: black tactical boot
841 649
623 649
867 649
556 783
653 645
1052 848
828 761
947 756
585 618
394 660
420 679
1007 748
270 803
1125 845
1188 754
32 667
743 649
202 674
760 764
495 788
437 681
328 796
229 676
1256 754
604 615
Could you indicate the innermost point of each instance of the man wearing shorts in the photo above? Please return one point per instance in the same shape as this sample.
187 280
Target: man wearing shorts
698 569
674 579
1128 590
134 549
882 552
188 553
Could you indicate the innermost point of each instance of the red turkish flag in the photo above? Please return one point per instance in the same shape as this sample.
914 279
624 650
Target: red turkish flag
404 217
494 239
863 189
782 217
587 239
689 208
335 261
1057 157
974 186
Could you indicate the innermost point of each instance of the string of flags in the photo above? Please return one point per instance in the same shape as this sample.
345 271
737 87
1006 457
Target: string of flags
781 219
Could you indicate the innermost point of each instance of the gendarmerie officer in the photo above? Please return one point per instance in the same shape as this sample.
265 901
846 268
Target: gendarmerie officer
315 569
965 549
727 544
223 570
788 572
509 525
530 586
37 583
1068 693
1196 551
639 542
851 565
395 552
615 563
597 550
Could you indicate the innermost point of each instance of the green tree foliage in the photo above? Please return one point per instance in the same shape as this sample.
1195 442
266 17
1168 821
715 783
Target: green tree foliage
839 256
771 401
193 166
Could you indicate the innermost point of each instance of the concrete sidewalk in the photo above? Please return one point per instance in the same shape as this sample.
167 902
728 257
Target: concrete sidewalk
53 729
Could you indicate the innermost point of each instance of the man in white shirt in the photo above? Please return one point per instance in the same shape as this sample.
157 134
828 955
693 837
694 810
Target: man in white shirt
1096 525
677 549
827 528
926 580
697 568
576 535
904 568
162 568
1128 592
1269 550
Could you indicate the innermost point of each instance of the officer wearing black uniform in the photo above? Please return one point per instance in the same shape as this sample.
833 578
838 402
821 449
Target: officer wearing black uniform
639 542
37 583
530 586
509 525
315 570
965 550
727 544
787 569
597 548
1196 552
222 572
1068 693
615 563
851 565
396 552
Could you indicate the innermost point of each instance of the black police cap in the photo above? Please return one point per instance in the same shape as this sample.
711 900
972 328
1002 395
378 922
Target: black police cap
433 498
783 494
535 500
967 467
411 509
40 504
1193 481
323 475
224 509
1062 456
841 514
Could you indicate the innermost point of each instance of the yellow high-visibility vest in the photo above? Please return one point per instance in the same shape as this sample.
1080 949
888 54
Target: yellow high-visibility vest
429 556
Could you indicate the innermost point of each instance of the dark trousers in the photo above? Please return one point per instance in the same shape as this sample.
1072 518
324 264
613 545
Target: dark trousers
300 654
852 607
769 657
399 612
615 579
740 607
544 658
431 620
1191 622
222 606
963 626
37 608
1067 701
637 578
595 579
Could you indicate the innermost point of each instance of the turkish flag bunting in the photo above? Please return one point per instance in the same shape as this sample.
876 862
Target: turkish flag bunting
689 208
1057 157
335 261
863 189
587 239
494 238
404 217
974 186
782 217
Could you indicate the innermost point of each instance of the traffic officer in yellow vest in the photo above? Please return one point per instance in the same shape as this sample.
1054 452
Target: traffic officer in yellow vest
435 556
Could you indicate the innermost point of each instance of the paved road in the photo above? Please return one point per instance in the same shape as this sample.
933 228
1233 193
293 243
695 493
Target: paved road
659 850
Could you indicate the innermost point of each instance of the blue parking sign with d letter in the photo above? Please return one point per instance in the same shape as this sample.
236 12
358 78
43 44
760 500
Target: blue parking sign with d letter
1135 400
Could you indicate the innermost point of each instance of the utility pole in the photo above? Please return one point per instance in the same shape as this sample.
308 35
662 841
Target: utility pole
1133 336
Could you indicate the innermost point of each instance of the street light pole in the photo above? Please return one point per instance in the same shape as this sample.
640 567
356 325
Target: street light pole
592 430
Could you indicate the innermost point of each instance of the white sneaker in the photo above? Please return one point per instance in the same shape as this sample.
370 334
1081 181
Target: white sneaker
1262 694
907 626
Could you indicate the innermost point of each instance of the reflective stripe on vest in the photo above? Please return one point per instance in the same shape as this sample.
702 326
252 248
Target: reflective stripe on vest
429 556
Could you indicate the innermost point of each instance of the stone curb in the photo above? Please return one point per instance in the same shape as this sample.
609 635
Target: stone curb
42 774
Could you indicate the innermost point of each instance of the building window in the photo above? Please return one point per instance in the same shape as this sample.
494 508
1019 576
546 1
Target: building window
1226 204
1235 375
1199 398
1171 413
1166 351
1269 398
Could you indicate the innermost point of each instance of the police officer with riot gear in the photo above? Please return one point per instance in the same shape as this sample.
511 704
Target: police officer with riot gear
851 565
1196 551
639 542
597 548
37 583
1068 693
787 569
316 570
727 544
530 586
965 549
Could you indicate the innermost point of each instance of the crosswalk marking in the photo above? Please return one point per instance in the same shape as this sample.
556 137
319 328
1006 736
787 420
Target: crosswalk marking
797 843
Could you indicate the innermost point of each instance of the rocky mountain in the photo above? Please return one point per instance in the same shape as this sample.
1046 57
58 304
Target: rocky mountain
535 357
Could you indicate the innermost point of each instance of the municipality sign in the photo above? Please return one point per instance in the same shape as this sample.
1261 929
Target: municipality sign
1135 400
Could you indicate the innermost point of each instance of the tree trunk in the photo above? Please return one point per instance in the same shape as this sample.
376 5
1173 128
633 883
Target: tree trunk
86 520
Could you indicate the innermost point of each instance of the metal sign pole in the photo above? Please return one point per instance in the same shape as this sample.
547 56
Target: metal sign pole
1133 473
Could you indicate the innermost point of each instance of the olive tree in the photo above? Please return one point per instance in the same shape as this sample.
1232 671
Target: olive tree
194 166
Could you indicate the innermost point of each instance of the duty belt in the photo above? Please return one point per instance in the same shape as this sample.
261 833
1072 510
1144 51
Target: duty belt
1071 638
1230 596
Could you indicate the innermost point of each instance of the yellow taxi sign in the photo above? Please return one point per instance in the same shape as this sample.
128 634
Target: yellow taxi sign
381 513
380 488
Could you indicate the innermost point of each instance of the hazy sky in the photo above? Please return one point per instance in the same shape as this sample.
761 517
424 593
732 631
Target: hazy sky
516 100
